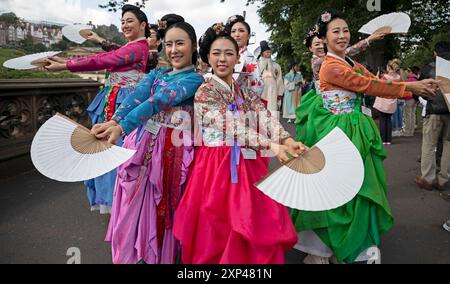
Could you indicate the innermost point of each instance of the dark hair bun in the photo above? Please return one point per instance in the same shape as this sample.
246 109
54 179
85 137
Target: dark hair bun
235 19
442 49
166 21
310 35
211 34
326 17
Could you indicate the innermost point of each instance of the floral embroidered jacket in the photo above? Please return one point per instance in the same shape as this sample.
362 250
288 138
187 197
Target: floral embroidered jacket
152 61
221 113
341 80
351 51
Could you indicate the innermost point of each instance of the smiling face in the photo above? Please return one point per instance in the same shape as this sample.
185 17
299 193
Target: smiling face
338 37
222 58
179 48
131 28
240 33
317 47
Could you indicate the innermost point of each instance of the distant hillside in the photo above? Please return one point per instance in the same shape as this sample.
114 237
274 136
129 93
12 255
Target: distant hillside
111 32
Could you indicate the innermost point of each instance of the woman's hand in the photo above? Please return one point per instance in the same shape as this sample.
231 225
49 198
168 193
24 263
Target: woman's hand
295 148
424 88
376 36
111 130
289 147
55 65
94 37
58 59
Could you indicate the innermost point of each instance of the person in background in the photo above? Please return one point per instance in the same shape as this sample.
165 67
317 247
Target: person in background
292 87
410 104
271 76
385 106
435 124
397 116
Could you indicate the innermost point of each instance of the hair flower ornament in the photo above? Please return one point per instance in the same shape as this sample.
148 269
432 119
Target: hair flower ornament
162 25
325 17
218 28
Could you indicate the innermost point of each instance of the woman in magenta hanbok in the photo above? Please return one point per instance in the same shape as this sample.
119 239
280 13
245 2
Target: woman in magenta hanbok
126 67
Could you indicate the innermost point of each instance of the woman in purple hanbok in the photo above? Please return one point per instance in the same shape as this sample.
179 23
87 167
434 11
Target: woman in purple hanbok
156 119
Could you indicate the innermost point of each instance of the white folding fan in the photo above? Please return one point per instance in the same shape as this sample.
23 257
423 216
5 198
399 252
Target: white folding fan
394 23
443 75
29 61
77 33
327 176
64 150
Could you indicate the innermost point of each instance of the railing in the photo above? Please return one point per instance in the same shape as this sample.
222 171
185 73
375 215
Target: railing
25 104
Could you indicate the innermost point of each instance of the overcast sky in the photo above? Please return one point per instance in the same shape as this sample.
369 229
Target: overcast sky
200 13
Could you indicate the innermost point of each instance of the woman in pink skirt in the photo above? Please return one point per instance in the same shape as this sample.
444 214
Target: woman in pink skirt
222 217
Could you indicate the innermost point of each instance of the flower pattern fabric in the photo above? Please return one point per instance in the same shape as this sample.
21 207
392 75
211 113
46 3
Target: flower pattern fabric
213 107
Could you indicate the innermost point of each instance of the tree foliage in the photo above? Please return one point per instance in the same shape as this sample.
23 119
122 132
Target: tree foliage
9 18
289 20
114 5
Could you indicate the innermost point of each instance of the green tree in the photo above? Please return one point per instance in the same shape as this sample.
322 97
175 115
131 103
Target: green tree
114 5
9 18
289 20
30 47
62 45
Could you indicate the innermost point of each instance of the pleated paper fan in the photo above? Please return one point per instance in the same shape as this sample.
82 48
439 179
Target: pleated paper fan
64 150
76 33
443 75
29 61
327 176
393 23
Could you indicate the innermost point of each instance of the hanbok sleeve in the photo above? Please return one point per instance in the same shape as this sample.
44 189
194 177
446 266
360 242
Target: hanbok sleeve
124 56
134 99
171 94
288 84
337 74
357 48
109 45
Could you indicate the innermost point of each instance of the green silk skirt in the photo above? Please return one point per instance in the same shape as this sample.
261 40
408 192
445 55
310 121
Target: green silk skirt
352 228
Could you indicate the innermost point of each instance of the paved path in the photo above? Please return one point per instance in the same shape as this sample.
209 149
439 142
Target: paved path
41 219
